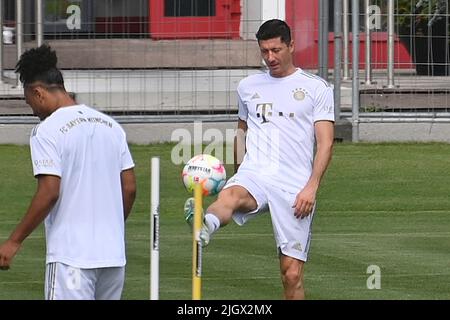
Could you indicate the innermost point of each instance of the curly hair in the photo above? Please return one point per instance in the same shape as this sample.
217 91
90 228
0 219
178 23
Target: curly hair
39 64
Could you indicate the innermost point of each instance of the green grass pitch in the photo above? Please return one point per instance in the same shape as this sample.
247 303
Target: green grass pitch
380 204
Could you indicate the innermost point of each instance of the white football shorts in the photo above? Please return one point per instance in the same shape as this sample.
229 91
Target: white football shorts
292 235
64 282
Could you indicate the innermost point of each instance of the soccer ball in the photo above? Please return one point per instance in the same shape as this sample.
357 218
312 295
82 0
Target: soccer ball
206 170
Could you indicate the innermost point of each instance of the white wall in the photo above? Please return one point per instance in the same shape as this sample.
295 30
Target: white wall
255 12
142 133
273 9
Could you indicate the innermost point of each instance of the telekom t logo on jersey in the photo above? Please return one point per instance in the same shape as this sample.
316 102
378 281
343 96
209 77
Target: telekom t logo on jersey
265 110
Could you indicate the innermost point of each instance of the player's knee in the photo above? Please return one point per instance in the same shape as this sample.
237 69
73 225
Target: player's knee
292 277
229 198
223 207
238 198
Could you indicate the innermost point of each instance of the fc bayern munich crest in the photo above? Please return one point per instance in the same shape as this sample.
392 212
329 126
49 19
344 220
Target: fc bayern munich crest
299 94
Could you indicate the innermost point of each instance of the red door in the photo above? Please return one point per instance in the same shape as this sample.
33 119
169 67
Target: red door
181 19
304 21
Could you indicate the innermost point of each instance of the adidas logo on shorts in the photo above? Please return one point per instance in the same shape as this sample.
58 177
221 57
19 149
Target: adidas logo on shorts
297 246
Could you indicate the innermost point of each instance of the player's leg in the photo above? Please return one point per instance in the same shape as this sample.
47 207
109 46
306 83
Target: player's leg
64 282
234 198
292 236
230 200
292 277
242 198
109 284
219 213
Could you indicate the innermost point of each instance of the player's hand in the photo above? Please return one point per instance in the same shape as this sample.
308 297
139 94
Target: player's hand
7 252
304 202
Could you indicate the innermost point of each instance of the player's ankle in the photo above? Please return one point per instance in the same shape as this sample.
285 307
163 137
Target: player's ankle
212 222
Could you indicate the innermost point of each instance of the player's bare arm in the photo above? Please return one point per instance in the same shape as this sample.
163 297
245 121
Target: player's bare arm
46 195
239 143
128 180
306 198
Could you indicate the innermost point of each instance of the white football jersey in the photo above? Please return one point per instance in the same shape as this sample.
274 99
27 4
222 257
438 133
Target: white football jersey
280 115
88 151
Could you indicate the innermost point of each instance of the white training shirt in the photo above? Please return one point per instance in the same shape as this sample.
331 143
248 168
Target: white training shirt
88 151
280 115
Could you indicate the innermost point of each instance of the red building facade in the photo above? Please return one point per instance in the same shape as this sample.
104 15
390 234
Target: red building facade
198 19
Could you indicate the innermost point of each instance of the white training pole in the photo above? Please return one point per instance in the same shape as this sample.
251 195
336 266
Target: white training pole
154 232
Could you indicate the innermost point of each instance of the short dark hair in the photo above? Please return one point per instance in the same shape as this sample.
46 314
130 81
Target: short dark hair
273 29
39 64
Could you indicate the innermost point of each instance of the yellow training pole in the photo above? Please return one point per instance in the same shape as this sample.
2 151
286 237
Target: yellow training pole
196 244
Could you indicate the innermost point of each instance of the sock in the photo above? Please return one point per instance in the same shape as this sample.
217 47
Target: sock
212 222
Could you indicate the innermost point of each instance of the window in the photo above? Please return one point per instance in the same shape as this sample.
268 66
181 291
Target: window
189 8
